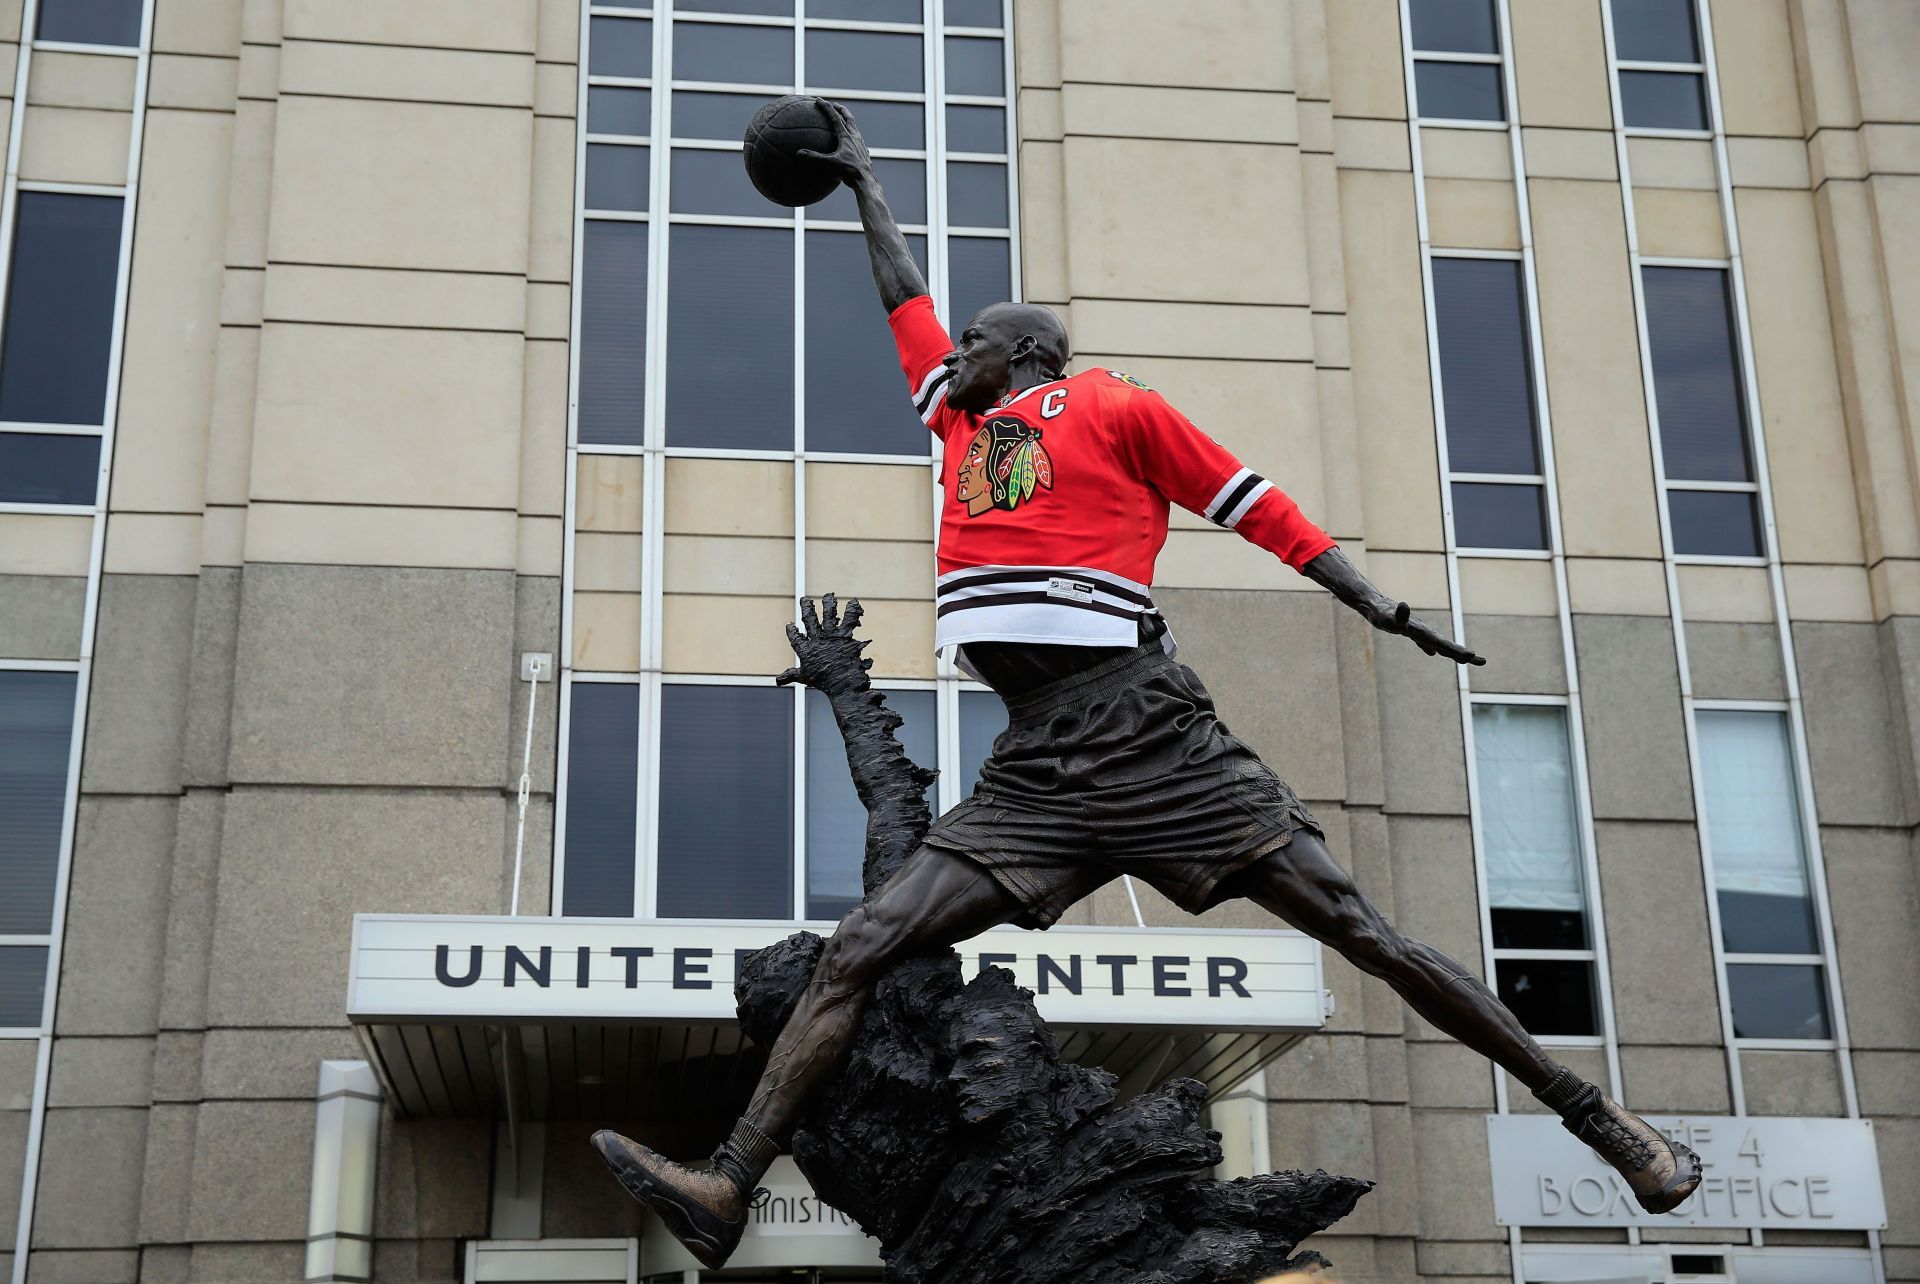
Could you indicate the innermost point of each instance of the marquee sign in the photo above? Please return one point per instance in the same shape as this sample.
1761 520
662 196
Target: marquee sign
1766 1172
413 967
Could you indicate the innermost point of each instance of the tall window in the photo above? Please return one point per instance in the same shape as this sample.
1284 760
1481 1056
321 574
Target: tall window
89 22
1776 978
1712 497
726 334
1486 378
1544 960
1663 83
1456 60
56 353
36 738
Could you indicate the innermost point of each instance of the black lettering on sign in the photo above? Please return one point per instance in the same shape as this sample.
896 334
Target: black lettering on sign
994 960
1119 963
1050 971
1226 972
542 974
443 974
583 966
686 972
1166 980
632 954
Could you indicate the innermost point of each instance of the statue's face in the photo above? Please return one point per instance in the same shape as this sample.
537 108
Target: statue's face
983 363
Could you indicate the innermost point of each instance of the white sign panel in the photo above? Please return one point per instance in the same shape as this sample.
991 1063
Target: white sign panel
791 1229
546 969
1771 1173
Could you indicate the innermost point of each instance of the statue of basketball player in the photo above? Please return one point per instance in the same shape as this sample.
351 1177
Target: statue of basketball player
1113 761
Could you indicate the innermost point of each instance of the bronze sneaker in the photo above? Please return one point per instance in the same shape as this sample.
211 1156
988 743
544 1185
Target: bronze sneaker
704 1209
1660 1173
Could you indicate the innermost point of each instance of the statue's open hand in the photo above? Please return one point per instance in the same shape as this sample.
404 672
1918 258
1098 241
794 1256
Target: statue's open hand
849 159
1424 635
829 653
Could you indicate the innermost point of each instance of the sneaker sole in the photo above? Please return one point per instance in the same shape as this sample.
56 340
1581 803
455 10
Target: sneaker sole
705 1249
1674 1196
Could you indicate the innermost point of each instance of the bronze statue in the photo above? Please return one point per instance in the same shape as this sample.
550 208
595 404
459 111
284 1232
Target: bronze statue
1113 761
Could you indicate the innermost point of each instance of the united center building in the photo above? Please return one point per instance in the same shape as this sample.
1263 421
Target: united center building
397 395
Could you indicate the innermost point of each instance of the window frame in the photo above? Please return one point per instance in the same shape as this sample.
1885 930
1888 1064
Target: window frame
1496 59
1697 69
50 939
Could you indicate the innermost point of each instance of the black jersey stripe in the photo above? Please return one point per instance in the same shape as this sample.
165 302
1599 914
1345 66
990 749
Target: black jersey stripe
920 406
1041 577
1031 599
1240 492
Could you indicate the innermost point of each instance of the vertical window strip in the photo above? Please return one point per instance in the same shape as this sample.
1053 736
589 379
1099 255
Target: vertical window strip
1457 62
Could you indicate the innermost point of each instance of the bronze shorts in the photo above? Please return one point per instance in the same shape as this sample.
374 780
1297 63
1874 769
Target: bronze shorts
1122 768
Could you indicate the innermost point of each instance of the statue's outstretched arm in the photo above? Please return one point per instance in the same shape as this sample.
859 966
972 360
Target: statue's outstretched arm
1332 571
895 273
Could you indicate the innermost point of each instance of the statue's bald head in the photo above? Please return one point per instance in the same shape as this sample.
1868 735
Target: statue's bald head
1030 331
1006 346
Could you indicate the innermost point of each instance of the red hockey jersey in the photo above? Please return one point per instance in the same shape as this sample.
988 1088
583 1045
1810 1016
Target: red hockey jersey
1056 500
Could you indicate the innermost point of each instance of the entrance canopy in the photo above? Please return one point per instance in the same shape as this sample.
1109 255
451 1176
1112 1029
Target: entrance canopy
582 1018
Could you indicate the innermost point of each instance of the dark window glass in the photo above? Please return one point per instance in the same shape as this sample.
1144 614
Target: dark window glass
1663 99
66 253
726 802
1480 321
613 110
1759 923
766 8
836 822
613 333
979 272
976 195
603 747
48 468
974 13
1777 1000
733 54
617 176
1715 523
23 984
1655 31
1538 929
1550 996
1498 515
36 737
730 338
1696 379
906 183
977 129
866 10
855 398
884 124
620 47
722 116
975 65
983 716
716 183
888 60
89 22
1458 91
1455 26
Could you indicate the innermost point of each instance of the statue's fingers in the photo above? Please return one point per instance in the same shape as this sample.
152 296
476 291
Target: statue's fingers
830 611
789 676
1401 614
851 616
809 616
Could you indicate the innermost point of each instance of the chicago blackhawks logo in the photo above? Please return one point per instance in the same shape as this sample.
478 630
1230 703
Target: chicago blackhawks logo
1129 380
1002 467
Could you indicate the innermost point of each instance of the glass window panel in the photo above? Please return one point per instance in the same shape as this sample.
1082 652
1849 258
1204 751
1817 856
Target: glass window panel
1550 996
983 716
1778 1000
613 333
767 8
973 13
617 176
733 54
721 116
1753 823
1696 380
1458 91
1761 1266
1715 523
615 110
1655 31
89 22
1536 929
976 195
1498 515
977 129
1479 308
855 398
59 327
888 60
603 748
1663 99
23 982
1455 26
707 182
836 821
726 802
906 184
1527 824
36 737
48 468
976 65
730 337
620 47
979 272
867 10
886 124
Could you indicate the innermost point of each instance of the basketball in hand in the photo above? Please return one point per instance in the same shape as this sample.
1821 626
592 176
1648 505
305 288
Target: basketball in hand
776 136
